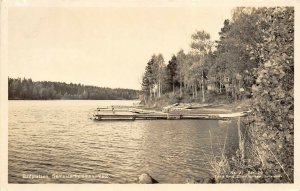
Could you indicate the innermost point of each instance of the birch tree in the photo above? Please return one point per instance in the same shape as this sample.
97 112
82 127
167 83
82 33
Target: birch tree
201 46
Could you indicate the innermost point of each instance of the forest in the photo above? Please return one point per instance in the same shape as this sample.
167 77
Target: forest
26 89
253 43
253 60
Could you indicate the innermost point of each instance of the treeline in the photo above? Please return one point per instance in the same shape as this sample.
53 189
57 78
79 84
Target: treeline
253 59
228 66
45 90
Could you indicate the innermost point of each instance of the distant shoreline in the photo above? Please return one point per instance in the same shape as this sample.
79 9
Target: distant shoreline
26 89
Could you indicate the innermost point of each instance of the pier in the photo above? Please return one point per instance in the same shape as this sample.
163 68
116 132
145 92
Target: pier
140 114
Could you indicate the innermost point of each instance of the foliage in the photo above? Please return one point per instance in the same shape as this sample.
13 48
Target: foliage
274 90
155 78
171 74
27 89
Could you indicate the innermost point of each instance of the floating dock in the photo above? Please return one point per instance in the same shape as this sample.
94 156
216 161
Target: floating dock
166 116
172 112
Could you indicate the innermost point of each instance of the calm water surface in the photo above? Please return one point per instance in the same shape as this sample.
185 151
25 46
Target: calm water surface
57 141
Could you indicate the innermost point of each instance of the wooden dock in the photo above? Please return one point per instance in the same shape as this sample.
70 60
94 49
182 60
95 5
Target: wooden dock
131 113
166 116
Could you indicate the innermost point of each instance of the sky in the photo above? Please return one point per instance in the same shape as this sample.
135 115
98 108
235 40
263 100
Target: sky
101 46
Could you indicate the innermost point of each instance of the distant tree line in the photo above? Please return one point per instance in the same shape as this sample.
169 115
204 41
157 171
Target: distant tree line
44 90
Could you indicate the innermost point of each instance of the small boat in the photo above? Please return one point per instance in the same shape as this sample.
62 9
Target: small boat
140 111
100 108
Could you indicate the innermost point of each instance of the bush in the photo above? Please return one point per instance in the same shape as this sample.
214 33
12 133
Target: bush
273 93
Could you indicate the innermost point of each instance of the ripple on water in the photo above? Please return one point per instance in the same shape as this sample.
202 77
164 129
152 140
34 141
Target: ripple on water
56 137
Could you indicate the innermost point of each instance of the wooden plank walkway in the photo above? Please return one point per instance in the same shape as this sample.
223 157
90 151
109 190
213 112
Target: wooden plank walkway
165 116
117 113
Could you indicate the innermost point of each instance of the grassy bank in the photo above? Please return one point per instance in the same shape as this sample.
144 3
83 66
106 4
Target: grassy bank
252 162
215 104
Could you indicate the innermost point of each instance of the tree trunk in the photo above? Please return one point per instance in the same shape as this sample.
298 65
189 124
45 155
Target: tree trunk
234 93
173 87
203 95
238 90
193 90
161 88
180 89
145 99
202 87
220 84
158 88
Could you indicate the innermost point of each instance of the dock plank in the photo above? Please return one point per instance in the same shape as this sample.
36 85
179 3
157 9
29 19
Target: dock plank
165 116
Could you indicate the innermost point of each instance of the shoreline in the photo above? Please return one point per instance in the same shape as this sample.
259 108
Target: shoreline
182 111
198 108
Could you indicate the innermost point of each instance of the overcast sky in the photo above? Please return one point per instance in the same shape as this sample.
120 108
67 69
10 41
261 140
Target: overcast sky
101 46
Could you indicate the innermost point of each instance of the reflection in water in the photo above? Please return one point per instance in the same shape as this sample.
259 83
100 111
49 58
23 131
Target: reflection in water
57 137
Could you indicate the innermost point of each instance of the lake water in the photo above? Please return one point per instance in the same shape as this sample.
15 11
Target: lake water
57 142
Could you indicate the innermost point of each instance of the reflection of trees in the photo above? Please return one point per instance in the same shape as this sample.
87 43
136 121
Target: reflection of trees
174 149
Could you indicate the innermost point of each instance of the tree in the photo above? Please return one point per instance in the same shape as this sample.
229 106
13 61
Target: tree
274 89
201 45
148 80
171 73
181 67
159 72
233 55
221 63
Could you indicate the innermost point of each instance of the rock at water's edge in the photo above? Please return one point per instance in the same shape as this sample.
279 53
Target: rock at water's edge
145 178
